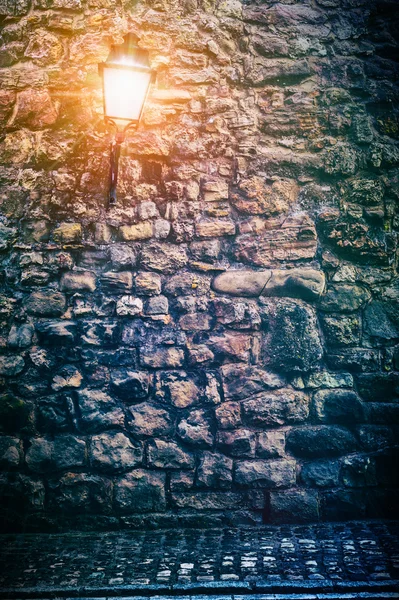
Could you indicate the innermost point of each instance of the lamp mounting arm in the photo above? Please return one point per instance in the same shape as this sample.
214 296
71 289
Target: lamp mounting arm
115 151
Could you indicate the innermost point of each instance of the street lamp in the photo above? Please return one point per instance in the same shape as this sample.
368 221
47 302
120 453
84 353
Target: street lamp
127 77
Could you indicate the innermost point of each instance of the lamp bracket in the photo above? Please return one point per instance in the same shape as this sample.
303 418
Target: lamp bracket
115 150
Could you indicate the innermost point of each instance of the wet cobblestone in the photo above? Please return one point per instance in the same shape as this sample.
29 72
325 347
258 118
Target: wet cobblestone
325 554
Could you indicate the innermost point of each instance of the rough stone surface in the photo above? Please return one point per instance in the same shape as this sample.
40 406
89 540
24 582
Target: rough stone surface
231 324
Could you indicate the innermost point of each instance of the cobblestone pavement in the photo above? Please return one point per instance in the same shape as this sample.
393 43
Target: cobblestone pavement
352 557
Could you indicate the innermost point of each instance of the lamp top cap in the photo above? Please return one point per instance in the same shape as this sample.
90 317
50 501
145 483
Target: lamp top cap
129 53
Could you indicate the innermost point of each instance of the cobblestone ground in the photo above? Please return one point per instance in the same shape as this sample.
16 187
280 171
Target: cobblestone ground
329 556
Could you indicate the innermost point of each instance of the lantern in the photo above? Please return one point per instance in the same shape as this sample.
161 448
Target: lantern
126 77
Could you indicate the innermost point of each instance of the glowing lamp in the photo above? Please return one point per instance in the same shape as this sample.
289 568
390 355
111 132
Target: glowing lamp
127 77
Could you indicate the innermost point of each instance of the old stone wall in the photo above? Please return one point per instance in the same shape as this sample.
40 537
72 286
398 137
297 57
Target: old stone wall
222 345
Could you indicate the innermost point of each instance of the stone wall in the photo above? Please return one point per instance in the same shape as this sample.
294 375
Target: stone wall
222 345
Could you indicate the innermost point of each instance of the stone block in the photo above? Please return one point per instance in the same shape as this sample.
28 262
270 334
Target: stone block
211 228
240 443
165 258
80 492
122 256
231 346
242 381
35 109
131 386
68 233
293 237
228 415
11 365
16 415
168 455
215 471
68 377
196 322
305 283
378 387
102 233
355 360
344 298
178 389
320 473
149 420
137 232
114 451
293 342
195 429
64 452
78 282
181 481
120 281
320 441
278 407
337 406
158 305
162 358
99 411
11 452
187 284
342 505
379 323
129 306
268 474
271 444
54 414
101 333
294 506
140 491
20 337
325 379
148 284
209 500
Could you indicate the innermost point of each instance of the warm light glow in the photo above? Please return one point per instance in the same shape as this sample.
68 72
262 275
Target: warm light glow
125 91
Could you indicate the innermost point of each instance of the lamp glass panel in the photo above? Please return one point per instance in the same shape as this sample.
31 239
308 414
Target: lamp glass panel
125 91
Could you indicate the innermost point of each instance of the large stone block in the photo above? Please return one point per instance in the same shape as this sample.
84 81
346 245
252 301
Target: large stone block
178 389
344 298
242 381
11 452
215 471
337 406
46 304
320 473
278 407
80 492
161 358
293 238
140 491
294 506
98 410
65 452
149 420
307 284
168 455
321 441
196 429
131 386
78 282
240 443
269 474
115 451
271 444
292 341
165 258
11 365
